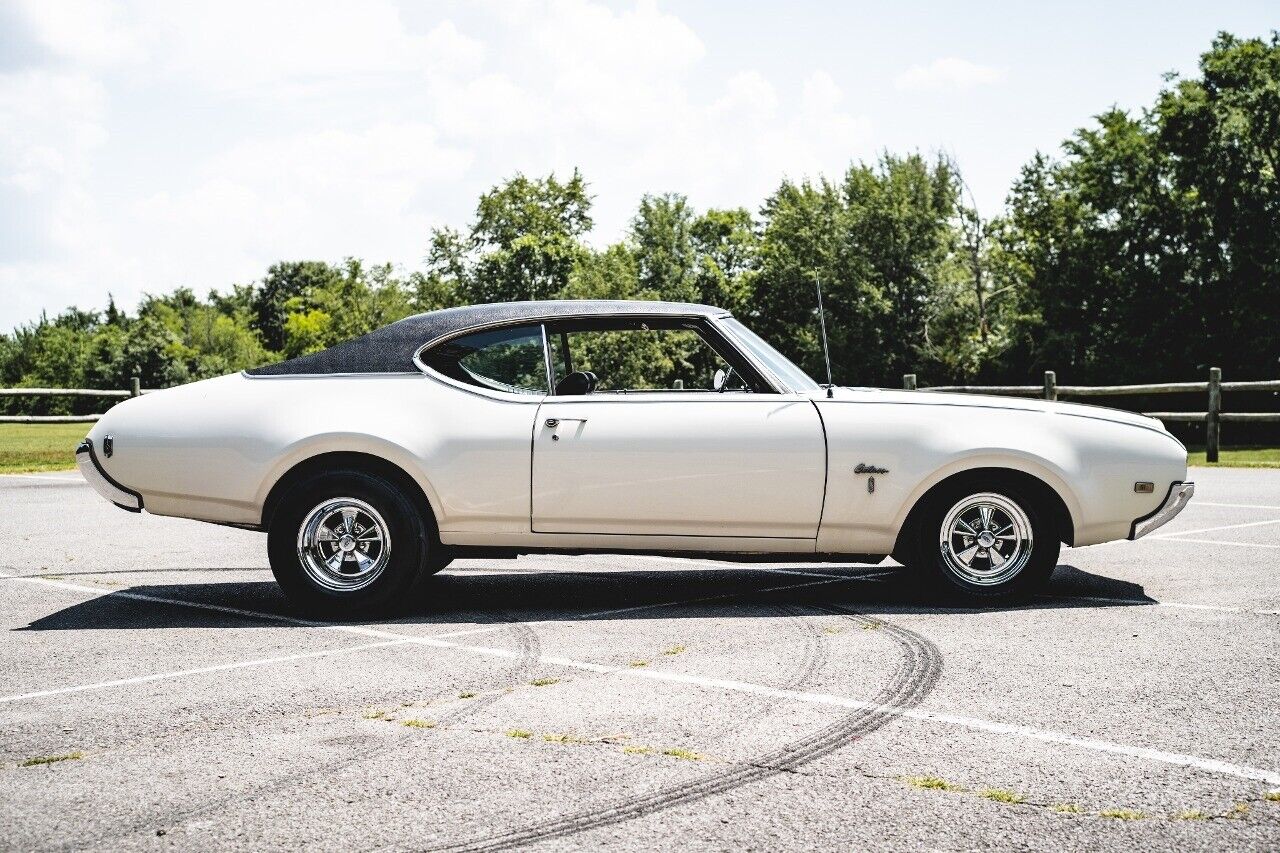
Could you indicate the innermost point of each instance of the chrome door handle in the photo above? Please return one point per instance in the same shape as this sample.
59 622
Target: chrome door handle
555 422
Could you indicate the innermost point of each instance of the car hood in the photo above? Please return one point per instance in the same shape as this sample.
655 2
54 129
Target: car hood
988 401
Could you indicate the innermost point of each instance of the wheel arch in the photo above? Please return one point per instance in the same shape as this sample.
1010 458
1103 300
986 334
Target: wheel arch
357 460
1046 495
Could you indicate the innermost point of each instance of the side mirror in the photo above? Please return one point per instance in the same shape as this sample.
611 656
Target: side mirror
717 381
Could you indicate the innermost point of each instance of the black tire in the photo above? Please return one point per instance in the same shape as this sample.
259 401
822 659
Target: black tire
939 559
311 582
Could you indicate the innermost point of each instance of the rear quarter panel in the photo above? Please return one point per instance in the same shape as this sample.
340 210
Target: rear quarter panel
213 450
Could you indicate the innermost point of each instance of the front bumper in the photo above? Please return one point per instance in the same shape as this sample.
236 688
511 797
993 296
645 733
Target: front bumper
101 481
1174 502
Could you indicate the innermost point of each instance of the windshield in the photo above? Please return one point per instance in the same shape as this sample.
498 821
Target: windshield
776 362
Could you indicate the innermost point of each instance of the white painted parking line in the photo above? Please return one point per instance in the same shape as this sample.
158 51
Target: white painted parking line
46 479
1220 608
599 613
1214 542
1195 503
204 670
1209 765
1177 533
142 679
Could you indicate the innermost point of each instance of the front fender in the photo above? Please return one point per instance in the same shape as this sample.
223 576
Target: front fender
1039 467
1091 463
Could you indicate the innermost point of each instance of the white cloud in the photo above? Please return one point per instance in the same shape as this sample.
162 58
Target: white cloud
88 31
298 47
948 74
322 129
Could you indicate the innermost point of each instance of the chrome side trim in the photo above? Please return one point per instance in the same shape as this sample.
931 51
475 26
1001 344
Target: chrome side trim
1174 502
779 387
247 375
103 484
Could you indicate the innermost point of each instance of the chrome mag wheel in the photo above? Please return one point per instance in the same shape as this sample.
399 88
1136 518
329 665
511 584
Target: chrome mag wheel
985 539
344 544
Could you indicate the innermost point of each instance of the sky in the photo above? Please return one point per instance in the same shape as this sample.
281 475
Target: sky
150 145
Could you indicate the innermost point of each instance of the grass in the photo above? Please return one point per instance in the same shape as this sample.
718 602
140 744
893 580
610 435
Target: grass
374 714
467 694
520 734
1000 795
39 447
419 724
1239 810
636 750
1068 808
1191 814
931 783
674 650
1122 814
51 759
544 682
1273 796
685 754
1238 457
552 737
637 663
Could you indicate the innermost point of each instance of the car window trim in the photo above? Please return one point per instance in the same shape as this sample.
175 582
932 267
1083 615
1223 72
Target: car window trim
709 333
709 322
492 393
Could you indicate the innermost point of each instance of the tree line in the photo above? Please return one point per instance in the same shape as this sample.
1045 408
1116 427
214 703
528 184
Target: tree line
1146 250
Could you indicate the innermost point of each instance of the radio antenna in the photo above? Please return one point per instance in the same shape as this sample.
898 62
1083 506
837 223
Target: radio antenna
822 324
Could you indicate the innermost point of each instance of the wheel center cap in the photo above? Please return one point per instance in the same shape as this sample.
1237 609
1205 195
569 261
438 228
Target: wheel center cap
986 539
347 542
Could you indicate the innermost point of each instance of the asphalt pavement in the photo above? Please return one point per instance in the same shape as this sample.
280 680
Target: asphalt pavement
158 692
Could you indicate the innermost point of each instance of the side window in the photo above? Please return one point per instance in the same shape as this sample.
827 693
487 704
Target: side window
511 360
637 358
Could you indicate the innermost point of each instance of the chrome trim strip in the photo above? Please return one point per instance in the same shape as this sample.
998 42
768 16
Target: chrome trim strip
546 357
101 481
769 376
1175 501
247 375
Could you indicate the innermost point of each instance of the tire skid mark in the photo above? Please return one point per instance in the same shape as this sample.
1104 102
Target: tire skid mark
530 650
917 673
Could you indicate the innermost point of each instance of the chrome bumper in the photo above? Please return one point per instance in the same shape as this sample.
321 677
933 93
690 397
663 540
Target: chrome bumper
1177 499
101 481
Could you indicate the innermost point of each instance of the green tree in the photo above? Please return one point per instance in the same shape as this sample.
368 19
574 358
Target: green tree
524 243
662 240
283 282
878 242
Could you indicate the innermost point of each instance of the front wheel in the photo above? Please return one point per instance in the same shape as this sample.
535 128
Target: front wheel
345 543
985 544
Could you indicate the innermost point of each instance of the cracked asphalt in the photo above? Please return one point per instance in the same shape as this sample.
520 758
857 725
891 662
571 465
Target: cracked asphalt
158 693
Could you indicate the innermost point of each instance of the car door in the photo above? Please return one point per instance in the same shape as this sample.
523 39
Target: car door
673 465
677 461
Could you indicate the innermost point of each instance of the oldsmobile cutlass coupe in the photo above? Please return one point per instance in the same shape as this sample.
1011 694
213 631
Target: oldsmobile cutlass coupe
577 426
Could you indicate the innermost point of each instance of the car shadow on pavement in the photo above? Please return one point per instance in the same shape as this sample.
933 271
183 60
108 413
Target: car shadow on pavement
478 596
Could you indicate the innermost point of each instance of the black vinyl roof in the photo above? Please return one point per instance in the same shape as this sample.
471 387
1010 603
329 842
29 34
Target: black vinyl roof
391 348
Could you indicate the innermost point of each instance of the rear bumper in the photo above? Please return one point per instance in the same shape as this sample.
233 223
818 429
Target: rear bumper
91 470
1174 502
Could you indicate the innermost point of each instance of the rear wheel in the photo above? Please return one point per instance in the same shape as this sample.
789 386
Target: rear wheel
344 543
985 543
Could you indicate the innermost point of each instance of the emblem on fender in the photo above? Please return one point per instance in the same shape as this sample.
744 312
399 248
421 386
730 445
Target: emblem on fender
864 468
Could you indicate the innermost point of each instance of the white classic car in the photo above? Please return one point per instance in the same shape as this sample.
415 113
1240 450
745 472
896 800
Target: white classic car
577 426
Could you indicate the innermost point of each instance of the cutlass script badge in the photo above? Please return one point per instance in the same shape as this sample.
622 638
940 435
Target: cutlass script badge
864 468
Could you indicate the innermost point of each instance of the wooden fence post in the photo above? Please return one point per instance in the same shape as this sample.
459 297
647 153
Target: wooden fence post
1213 415
135 387
908 382
1050 385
